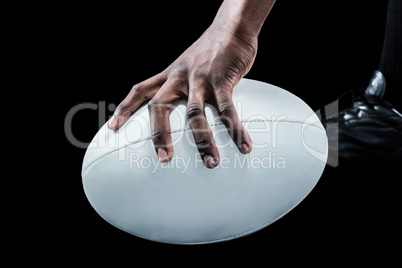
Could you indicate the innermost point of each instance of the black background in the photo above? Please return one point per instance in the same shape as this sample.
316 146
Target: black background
315 49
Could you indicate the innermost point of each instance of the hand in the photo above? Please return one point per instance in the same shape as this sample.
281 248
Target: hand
206 72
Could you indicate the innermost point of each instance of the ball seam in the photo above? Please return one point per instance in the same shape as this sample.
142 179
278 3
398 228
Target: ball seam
187 129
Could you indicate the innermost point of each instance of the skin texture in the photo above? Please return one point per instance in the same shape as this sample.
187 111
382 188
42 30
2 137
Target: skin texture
206 72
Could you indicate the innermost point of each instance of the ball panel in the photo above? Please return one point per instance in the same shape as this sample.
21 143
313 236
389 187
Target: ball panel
176 203
184 202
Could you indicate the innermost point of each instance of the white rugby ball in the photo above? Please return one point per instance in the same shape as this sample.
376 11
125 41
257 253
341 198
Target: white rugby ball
182 201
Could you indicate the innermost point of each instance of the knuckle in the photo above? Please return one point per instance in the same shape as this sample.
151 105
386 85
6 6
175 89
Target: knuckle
202 142
158 106
121 108
223 80
138 87
158 136
194 111
226 109
152 104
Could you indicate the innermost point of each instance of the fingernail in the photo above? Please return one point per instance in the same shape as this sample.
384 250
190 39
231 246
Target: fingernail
244 148
210 162
162 154
112 121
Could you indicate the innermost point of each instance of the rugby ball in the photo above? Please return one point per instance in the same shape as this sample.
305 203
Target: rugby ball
182 201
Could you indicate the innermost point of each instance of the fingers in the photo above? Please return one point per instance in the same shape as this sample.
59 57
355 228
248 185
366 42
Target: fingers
200 127
162 93
139 94
159 110
229 117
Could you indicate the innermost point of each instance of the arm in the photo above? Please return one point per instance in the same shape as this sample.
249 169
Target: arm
243 17
206 72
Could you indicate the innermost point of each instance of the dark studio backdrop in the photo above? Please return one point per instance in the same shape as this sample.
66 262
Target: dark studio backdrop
315 49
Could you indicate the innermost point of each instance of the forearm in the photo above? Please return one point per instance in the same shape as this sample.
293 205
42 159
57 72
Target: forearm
243 17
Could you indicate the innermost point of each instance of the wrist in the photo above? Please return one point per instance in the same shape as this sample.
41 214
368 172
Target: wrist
243 18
